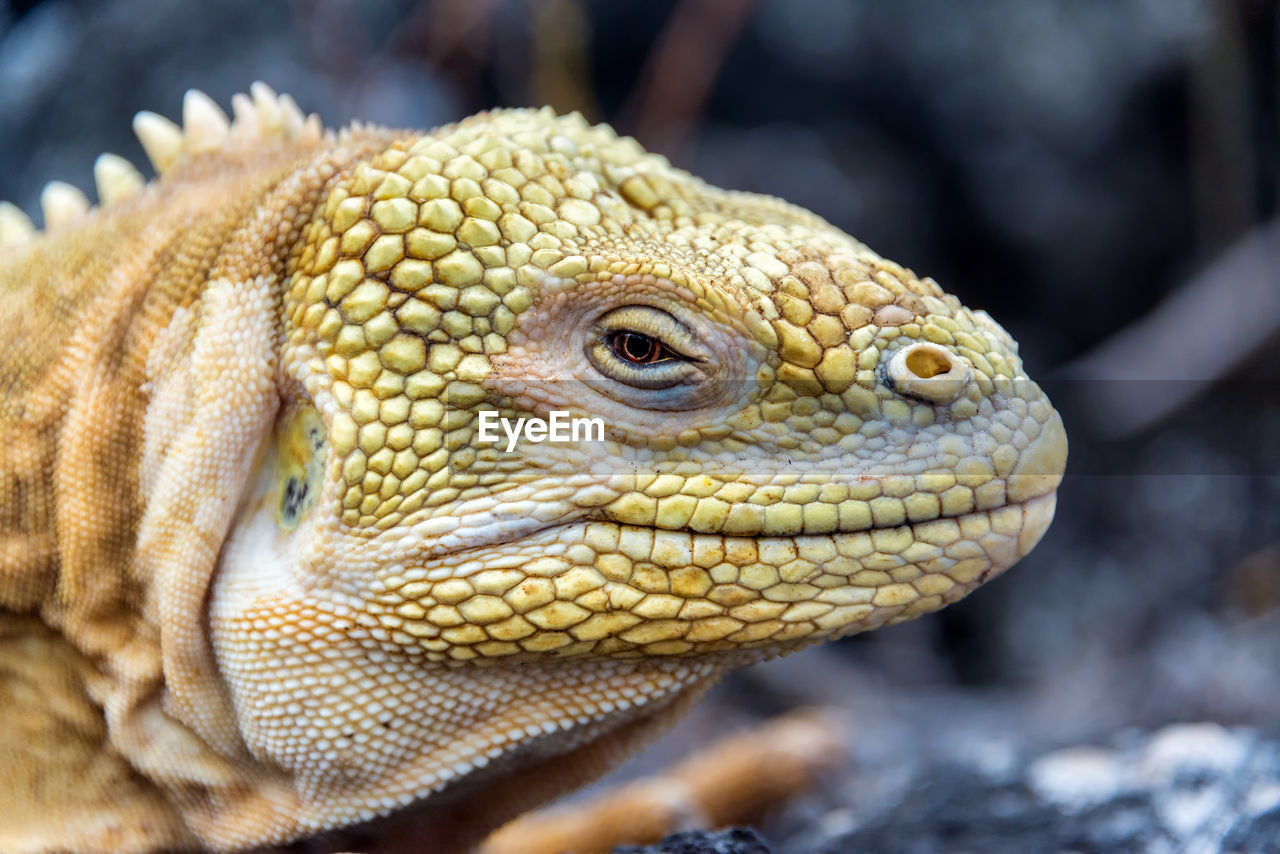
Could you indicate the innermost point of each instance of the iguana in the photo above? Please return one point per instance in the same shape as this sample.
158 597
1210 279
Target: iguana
261 577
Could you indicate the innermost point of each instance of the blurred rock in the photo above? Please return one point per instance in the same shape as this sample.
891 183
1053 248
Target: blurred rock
1188 787
737 840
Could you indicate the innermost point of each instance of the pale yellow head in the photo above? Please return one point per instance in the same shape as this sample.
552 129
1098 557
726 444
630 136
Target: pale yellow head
802 439
797 440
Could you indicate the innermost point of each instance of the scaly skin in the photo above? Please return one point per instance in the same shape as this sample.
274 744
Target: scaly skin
259 574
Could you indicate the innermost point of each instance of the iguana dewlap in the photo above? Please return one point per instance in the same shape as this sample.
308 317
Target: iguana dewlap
259 575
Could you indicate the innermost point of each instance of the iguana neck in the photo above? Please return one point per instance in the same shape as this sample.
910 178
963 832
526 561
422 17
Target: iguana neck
109 306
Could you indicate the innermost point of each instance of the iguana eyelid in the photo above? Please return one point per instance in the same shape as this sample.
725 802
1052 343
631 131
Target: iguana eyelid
655 323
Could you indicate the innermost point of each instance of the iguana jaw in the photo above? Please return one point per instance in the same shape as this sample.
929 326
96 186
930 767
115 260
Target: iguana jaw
598 588
648 613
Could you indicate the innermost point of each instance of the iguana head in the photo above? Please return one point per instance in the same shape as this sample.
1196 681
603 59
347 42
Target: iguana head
800 439
791 439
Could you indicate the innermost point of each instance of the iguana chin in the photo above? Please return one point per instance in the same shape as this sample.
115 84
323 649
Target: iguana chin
259 577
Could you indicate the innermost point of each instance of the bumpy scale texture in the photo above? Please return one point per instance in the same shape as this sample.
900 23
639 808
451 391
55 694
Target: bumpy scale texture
263 573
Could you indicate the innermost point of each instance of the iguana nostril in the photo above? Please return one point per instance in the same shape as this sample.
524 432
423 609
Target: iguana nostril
926 362
928 372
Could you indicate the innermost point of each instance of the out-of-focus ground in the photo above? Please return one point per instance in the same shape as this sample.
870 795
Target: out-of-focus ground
1101 177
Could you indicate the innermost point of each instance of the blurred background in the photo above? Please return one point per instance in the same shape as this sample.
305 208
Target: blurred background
1101 176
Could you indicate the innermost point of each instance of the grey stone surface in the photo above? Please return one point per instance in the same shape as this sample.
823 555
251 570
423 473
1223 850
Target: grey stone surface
1183 788
736 840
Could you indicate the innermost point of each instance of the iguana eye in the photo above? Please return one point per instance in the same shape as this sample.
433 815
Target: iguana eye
643 347
636 348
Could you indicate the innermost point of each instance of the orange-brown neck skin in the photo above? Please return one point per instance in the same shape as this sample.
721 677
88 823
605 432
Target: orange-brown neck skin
91 316
81 312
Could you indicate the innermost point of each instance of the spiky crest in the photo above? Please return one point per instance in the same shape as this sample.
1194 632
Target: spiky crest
260 117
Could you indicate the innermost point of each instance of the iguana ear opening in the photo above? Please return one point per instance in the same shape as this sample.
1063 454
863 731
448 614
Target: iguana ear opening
301 450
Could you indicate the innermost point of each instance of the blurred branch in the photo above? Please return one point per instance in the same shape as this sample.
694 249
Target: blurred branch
731 781
1219 136
459 31
561 67
1198 334
678 77
455 38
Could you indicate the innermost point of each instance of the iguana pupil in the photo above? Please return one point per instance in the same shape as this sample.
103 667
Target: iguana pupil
638 349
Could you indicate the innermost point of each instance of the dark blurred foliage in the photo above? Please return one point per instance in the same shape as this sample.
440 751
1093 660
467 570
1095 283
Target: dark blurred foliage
1066 165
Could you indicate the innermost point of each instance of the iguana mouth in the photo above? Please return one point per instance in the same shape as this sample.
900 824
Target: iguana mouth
1037 473
1027 520
911 523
